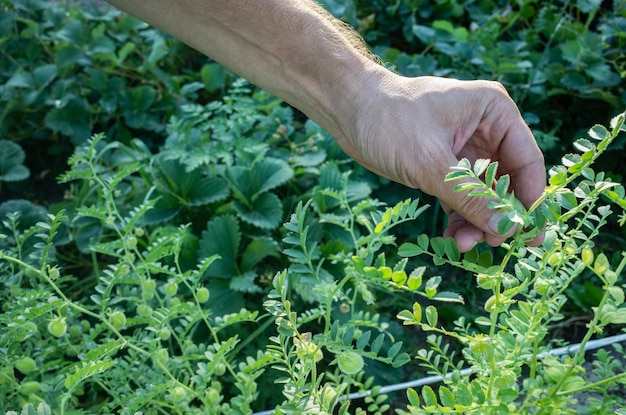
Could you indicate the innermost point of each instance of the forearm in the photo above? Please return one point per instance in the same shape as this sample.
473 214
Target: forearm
285 46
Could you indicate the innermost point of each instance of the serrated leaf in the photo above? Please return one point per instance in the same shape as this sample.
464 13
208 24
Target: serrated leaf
502 186
430 399
505 225
245 283
191 188
222 237
463 394
28 409
15 174
448 297
480 166
583 145
44 75
11 159
85 370
257 250
447 398
266 212
267 174
43 409
558 179
599 132
407 317
401 360
490 174
413 397
457 175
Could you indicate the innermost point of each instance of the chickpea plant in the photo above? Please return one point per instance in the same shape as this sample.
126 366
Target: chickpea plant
506 350
149 338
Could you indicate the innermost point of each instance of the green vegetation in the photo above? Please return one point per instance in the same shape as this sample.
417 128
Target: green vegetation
175 240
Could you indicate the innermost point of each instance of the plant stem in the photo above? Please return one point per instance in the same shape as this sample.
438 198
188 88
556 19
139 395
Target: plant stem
593 385
592 328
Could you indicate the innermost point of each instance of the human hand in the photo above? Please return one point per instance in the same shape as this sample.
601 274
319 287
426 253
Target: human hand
413 130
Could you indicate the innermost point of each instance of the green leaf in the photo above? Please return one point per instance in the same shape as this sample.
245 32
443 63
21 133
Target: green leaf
363 340
20 79
485 259
213 76
505 225
394 350
463 394
558 179
617 293
377 343
198 191
448 297
191 188
430 399
257 250
490 174
457 175
43 409
85 370
432 316
602 264
439 245
267 174
245 283
413 397
573 383
447 398
222 237
159 48
422 241
11 159
502 186
72 119
452 250
584 145
135 105
406 317
586 6
408 249
480 166
599 132
44 75
266 212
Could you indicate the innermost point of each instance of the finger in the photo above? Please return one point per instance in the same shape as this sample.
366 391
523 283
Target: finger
519 154
464 233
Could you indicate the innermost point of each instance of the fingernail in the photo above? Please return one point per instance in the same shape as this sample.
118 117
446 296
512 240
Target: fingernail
493 222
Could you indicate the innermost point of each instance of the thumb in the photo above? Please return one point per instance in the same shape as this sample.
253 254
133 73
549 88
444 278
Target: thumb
470 219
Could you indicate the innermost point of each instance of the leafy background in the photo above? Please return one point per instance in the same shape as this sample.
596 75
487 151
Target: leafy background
210 152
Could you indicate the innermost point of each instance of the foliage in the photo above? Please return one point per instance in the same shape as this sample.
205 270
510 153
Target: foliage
67 70
562 62
506 352
232 259
146 334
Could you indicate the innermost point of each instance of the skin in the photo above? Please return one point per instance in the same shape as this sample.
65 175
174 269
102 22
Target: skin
410 130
